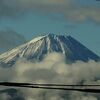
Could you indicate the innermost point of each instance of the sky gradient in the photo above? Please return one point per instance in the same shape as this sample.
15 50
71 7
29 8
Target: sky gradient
30 18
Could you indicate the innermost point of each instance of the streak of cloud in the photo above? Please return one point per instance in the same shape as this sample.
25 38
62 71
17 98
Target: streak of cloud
70 9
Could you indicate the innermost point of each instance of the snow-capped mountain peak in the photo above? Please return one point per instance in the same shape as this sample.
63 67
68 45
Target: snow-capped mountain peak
42 45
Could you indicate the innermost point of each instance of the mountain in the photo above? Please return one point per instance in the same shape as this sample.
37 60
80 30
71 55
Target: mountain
37 48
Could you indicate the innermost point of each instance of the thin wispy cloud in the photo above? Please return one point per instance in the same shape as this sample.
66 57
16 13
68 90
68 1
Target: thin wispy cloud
69 9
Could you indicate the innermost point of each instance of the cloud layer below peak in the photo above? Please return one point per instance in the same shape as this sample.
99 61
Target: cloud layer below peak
51 71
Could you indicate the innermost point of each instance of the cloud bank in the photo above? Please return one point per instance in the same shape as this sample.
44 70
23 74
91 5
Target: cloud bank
53 69
70 9
10 39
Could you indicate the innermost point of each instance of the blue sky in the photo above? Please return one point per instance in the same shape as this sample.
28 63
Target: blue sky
30 18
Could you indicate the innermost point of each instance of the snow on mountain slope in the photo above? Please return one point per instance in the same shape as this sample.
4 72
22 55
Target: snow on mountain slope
37 48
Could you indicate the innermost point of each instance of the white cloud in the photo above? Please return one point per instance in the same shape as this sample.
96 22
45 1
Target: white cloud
53 69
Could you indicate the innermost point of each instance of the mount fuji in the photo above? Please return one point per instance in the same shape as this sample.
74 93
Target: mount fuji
37 48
